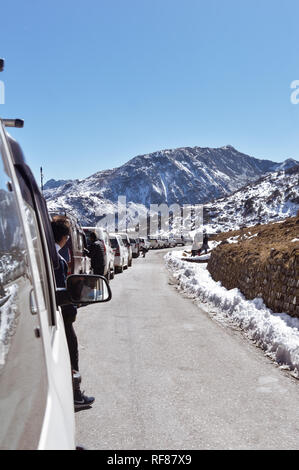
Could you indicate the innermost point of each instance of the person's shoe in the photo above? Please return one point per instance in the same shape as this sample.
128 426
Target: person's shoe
82 401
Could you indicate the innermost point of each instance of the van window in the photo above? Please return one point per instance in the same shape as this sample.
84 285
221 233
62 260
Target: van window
23 379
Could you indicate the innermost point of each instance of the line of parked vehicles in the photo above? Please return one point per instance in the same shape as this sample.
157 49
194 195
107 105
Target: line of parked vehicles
119 248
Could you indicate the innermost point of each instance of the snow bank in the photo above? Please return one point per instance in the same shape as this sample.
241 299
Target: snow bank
276 333
198 258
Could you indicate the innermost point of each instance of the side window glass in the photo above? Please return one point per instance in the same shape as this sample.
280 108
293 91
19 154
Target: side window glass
80 242
23 378
75 239
44 298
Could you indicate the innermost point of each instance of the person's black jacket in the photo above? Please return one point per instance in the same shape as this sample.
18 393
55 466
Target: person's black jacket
61 273
205 240
69 312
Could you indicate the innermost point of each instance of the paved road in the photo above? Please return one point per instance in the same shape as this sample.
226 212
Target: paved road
166 376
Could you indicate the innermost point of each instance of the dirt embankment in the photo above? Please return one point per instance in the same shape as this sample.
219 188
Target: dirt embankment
261 261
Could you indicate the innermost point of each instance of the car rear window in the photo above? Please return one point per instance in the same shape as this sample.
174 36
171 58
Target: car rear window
114 242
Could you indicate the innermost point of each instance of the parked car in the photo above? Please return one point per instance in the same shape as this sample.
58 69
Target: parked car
121 257
135 247
160 242
166 243
36 400
153 243
172 242
188 240
103 236
179 241
127 243
143 242
74 250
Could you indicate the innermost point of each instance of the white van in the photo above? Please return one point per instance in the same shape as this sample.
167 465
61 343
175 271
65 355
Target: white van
121 256
127 243
135 247
36 396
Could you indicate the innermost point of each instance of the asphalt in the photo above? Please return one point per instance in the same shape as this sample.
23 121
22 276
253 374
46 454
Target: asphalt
167 376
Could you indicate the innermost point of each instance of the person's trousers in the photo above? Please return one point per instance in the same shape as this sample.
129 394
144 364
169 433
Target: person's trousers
72 341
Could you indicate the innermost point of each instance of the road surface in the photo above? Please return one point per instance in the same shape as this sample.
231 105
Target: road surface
167 376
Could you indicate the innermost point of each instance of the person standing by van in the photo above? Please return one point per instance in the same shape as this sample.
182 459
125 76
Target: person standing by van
96 254
69 312
205 245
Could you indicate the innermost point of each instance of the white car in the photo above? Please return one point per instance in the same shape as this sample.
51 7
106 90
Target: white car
172 242
143 242
179 241
127 243
103 236
121 256
135 247
160 242
166 243
153 243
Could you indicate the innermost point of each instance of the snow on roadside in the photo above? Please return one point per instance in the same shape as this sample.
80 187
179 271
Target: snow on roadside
276 333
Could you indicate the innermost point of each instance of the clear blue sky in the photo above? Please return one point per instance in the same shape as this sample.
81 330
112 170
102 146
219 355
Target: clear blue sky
99 82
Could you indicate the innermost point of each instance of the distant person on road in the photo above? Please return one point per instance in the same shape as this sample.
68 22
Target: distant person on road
69 312
96 254
205 244
143 251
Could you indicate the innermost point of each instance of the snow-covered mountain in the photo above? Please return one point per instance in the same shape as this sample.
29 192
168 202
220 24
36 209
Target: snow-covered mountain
183 176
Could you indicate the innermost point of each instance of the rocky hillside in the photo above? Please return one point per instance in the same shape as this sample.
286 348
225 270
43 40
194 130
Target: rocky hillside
262 261
272 197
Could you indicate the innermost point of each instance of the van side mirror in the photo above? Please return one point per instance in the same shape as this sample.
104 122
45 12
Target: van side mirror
84 289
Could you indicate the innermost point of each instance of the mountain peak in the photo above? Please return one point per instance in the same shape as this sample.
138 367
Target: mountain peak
226 147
